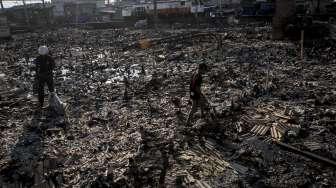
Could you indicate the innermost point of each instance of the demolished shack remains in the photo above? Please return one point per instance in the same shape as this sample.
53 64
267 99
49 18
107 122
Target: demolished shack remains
128 103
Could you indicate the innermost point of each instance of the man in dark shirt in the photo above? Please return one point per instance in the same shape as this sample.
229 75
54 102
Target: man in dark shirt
195 92
44 66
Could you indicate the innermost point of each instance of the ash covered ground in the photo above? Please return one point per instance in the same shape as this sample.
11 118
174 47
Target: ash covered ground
128 101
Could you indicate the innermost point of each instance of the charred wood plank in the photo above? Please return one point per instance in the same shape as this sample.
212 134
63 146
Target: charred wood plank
305 153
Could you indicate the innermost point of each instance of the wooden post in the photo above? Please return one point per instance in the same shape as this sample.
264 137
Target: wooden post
2 6
26 12
155 14
196 13
221 48
302 40
154 59
77 7
267 78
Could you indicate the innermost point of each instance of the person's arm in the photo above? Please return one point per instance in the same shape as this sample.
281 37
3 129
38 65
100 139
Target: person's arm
36 75
52 64
37 67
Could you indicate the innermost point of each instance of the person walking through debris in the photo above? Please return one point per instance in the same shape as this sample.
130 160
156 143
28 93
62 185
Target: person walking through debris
44 66
196 95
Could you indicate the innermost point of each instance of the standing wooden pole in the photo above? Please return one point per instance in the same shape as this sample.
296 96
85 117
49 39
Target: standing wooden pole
155 14
77 7
26 12
267 78
196 12
154 60
302 40
2 6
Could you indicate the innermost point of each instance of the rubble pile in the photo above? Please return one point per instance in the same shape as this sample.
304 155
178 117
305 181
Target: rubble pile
127 107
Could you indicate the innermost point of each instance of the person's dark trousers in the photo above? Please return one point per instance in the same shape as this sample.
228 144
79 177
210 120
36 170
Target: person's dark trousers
41 83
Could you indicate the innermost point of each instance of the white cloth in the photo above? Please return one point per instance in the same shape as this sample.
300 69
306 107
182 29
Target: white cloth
43 50
56 104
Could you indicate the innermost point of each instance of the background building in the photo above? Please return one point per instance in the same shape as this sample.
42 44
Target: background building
61 6
34 15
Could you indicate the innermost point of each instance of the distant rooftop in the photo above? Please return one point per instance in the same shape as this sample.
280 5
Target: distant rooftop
33 5
12 3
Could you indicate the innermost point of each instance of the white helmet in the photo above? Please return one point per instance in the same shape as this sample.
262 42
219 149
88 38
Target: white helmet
43 50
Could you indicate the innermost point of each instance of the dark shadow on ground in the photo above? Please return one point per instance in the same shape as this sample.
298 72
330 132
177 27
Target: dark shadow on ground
26 157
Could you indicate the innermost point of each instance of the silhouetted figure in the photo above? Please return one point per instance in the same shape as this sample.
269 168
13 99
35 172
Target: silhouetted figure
45 65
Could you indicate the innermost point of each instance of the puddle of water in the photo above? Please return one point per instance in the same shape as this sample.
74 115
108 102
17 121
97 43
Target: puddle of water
108 82
119 73
116 75
101 56
22 60
116 79
65 71
110 70
77 51
65 78
29 96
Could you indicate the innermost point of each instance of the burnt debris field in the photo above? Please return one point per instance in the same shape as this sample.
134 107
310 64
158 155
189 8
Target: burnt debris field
270 118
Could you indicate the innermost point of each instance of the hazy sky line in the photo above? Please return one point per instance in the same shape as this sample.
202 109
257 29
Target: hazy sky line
8 4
